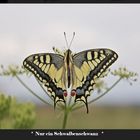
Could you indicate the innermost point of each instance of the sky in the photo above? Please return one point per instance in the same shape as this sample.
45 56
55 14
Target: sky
26 29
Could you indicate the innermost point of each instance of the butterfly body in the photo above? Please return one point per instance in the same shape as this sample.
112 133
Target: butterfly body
68 66
59 72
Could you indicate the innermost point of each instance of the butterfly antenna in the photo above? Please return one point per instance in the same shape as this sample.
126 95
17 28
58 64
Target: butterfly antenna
71 40
66 39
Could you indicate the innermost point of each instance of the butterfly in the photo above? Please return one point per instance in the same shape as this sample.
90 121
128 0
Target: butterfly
60 71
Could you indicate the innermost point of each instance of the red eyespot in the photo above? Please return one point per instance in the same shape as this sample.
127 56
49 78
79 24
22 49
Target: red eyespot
65 93
73 93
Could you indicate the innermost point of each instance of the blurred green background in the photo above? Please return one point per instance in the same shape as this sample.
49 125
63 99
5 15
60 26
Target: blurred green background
99 117
17 115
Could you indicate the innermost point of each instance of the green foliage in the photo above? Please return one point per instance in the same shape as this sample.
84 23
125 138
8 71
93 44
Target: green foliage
124 73
23 115
5 103
14 114
13 70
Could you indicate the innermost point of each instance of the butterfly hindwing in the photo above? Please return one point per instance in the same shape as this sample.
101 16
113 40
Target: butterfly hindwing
89 65
48 69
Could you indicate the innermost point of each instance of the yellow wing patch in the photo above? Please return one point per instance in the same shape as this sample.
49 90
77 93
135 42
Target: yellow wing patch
52 71
78 73
59 73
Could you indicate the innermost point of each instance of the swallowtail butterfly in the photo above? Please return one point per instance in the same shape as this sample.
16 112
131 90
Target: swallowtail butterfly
60 71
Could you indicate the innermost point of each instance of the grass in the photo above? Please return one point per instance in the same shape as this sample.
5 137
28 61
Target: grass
99 117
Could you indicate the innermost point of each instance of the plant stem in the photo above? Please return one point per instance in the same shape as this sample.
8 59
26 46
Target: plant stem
32 92
100 95
106 91
66 112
